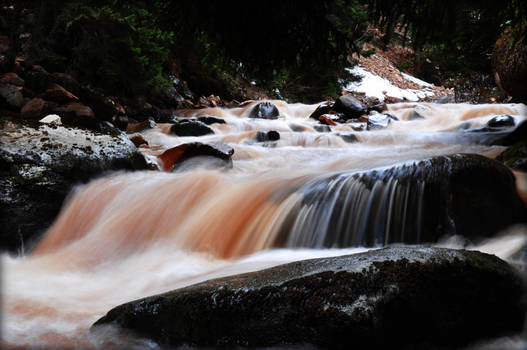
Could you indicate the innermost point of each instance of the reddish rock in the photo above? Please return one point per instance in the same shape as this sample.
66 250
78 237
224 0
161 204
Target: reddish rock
57 93
11 78
509 58
326 119
138 140
79 109
34 109
137 127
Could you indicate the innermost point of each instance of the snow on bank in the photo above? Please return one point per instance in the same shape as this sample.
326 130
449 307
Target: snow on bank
375 86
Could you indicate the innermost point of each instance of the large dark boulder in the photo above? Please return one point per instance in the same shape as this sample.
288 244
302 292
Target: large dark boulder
508 58
350 106
39 165
264 110
383 299
416 202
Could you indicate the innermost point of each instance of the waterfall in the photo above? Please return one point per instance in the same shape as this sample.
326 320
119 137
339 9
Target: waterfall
305 194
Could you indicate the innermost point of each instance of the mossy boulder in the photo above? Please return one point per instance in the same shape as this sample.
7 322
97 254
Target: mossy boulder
39 166
399 297
509 58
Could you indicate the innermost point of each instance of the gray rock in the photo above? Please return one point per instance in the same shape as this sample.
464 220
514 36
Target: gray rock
12 96
264 110
39 166
350 106
389 298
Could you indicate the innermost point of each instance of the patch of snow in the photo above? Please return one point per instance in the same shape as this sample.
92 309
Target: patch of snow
416 80
375 86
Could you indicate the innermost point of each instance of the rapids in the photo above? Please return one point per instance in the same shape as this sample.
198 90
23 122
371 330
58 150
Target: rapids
129 235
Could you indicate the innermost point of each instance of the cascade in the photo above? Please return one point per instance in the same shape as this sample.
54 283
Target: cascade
305 194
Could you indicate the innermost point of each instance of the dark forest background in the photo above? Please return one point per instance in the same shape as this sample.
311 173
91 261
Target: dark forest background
143 48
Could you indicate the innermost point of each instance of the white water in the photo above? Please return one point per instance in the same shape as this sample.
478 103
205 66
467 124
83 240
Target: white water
131 235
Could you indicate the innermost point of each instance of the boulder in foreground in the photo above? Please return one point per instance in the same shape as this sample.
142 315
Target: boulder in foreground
388 298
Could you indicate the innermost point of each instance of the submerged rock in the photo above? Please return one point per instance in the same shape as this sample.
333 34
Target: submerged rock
190 128
264 110
264 136
39 167
209 119
416 202
389 298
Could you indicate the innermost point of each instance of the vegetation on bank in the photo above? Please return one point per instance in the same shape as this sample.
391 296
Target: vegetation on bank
287 48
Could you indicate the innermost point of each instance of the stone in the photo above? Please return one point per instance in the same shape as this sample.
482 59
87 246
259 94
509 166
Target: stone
391 298
179 154
416 202
501 121
414 115
11 78
138 140
35 109
349 137
58 94
328 119
264 110
190 128
11 96
40 166
358 126
209 119
515 156
324 108
508 60
51 119
322 128
264 136
350 106
76 109
137 127
378 121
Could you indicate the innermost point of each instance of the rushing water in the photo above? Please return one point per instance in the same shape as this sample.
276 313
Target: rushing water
127 236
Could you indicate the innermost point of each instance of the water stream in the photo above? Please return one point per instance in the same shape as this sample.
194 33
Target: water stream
308 194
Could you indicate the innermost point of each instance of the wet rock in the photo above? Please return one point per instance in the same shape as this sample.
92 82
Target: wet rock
191 128
414 115
350 106
11 78
58 94
175 156
391 116
349 137
322 128
51 119
501 121
264 110
39 167
399 297
378 121
264 136
517 135
137 127
209 119
416 202
11 97
324 108
328 119
515 157
36 108
138 140
358 126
